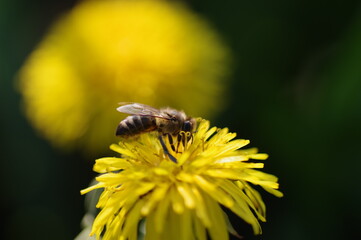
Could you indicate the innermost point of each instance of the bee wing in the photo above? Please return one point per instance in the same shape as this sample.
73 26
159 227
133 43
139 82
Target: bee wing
140 109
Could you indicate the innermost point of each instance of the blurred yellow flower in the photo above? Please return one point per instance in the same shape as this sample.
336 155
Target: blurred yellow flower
109 51
180 200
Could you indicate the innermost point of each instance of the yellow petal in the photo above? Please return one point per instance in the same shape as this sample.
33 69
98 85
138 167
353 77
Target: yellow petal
132 219
209 133
215 192
109 164
160 214
247 151
256 199
218 228
236 174
122 150
184 229
177 201
242 205
258 156
91 188
111 179
201 209
185 177
215 152
158 194
115 227
101 219
260 178
273 191
171 228
237 166
199 228
232 159
187 195
150 228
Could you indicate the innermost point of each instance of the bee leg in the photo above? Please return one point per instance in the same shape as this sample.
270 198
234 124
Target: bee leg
179 139
166 150
170 139
184 140
187 137
191 137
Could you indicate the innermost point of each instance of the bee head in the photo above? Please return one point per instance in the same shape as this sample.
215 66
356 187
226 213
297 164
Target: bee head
189 125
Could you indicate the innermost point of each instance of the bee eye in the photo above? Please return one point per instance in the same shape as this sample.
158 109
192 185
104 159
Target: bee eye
187 126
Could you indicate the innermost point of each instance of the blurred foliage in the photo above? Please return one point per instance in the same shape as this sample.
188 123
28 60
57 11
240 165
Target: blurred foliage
295 94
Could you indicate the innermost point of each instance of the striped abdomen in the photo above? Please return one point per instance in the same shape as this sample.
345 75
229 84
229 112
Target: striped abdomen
135 124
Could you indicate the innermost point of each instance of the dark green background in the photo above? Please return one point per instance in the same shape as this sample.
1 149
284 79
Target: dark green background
295 93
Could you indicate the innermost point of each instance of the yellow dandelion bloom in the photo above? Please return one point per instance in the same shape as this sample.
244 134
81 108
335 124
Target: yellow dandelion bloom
110 51
180 200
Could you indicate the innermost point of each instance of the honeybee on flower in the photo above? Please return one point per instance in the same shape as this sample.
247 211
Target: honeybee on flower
183 199
168 122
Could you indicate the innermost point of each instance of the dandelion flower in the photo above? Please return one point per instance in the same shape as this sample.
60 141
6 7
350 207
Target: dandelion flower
180 200
110 51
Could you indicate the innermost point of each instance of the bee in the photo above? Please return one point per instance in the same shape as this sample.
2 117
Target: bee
167 122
